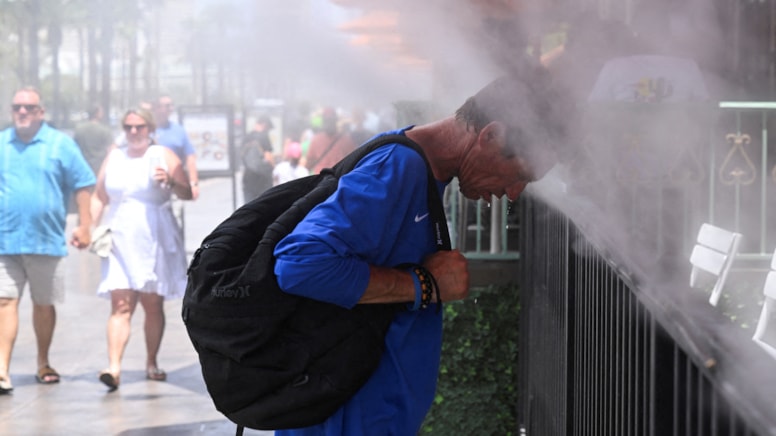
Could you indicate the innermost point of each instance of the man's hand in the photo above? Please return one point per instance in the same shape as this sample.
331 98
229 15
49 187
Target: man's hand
451 271
82 237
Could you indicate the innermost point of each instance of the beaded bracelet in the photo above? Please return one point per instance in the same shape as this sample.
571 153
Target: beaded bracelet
435 287
425 285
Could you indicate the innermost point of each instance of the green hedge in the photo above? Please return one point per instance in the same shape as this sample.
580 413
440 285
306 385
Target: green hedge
477 389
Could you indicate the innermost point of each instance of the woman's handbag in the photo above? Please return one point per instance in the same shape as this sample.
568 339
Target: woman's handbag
102 241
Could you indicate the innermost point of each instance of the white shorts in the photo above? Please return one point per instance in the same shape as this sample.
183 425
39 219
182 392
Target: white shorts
45 275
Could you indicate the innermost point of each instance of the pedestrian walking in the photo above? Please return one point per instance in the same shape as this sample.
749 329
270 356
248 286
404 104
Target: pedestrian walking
41 169
330 144
172 135
257 159
290 168
93 138
345 251
147 261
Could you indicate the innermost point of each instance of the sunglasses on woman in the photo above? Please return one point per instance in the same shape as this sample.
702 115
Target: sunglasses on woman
129 127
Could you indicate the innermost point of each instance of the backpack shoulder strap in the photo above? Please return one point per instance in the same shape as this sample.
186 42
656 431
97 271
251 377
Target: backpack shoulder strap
351 160
436 208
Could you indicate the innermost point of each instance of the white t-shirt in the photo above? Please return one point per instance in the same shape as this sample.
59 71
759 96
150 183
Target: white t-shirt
284 172
650 79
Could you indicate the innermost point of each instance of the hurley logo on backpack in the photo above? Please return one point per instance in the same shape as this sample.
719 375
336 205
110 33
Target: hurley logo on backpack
273 360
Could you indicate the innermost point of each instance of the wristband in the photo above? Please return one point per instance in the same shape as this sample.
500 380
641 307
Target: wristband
424 286
418 291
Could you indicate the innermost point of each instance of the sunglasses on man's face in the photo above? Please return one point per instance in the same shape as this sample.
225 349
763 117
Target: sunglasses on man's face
129 127
27 107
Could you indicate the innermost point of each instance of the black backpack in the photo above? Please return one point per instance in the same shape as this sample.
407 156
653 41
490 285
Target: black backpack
273 360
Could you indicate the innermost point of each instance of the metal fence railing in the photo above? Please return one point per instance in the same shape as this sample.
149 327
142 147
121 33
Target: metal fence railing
610 348
480 229
742 174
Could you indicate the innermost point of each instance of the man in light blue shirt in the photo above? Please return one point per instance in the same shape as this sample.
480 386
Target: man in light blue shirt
173 136
40 169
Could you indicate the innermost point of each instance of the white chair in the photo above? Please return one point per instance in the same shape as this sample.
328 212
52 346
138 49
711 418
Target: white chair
713 252
769 309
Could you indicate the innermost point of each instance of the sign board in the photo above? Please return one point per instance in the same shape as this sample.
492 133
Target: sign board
210 130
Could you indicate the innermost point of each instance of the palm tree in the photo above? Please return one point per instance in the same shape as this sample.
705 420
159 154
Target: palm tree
61 15
15 21
217 26
9 47
33 26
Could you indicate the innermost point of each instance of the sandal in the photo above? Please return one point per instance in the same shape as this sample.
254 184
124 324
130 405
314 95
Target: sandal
156 374
47 375
109 380
5 386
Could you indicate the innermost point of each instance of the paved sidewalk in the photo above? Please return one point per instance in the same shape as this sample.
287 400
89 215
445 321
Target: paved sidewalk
80 404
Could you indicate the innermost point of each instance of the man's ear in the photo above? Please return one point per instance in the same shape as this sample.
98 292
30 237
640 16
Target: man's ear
494 132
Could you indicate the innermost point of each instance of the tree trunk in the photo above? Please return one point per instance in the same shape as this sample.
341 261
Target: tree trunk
132 88
195 77
32 40
221 75
93 50
106 55
203 82
154 58
81 63
20 71
55 41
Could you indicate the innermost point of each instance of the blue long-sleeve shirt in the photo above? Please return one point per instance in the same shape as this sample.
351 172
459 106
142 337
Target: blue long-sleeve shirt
378 216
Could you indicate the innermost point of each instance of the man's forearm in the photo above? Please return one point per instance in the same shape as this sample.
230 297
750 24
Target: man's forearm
191 170
83 200
388 285
449 270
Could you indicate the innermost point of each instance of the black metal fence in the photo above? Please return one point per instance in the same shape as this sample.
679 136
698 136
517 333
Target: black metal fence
607 348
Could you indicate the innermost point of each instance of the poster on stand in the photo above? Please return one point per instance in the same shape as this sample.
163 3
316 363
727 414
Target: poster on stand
209 129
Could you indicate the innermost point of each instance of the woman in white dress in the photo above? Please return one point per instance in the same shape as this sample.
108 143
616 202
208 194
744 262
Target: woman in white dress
147 261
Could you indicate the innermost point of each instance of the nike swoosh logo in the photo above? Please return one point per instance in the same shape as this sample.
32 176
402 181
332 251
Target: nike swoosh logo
419 218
